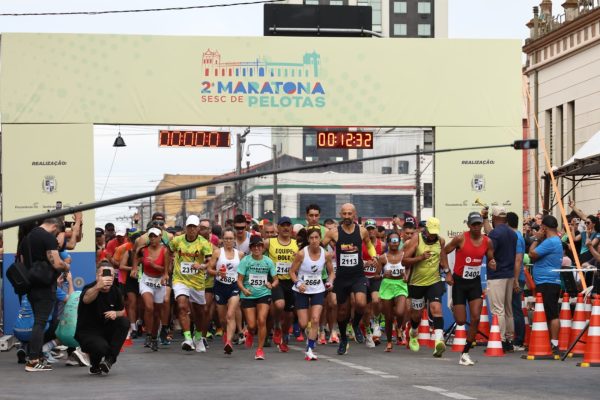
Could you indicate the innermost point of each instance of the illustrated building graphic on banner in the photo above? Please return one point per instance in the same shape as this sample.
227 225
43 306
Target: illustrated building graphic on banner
308 68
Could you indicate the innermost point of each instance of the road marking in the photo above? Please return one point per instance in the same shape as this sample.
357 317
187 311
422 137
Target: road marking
362 368
444 392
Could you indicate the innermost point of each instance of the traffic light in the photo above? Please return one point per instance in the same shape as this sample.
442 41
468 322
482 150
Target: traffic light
528 144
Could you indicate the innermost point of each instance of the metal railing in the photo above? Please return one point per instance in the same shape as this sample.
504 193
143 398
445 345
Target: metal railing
549 25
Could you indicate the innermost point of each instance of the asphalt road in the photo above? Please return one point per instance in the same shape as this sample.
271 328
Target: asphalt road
361 374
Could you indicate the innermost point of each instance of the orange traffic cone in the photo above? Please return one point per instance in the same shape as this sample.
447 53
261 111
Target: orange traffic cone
577 325
526 319
565 323
484 324
494 345
591 358
460 339
539 348
588 308
424 336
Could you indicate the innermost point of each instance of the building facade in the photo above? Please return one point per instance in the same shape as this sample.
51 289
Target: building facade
563 73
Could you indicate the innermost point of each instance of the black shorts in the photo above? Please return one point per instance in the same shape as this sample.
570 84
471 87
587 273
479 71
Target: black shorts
284 291
132 285
465 290
224 292
431 293
342 287
373 286
251 303
550 295
304 301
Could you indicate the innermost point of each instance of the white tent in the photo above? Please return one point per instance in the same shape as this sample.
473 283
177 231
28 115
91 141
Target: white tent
585 162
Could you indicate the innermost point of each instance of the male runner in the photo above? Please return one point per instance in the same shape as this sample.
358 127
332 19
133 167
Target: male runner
242 236
281 251
350 276
191 251
424 255
373 273
470 248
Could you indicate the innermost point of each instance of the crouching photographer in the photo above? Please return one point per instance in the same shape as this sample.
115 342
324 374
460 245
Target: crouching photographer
101 325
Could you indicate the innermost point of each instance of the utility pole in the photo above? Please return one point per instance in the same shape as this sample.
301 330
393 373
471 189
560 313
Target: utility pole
418 182
241 139
275 194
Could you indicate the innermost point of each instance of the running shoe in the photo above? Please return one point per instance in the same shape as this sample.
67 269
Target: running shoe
228 349
48 356
517 347
82 358
154 345
209 335
389 347
439 349
37 366
376 332
358 335
164 341
57 354
277 336
465 359
297 331
200 345
249 339
309 355
334 338
259 355
343 347
219 332
283 347
413 343
369 341
205 342
21 356
267 342
106 365
148 341
95 370
322 338
349 333
188 345
300 338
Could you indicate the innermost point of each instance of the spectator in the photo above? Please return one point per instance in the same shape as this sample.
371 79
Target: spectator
501 281
591 232
41 245
101 326
546 252
109 231
512 220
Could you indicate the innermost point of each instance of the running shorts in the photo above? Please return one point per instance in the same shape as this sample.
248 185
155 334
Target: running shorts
224 292
431 293
550 295
284 291
251 303
465 290
343 287
392 288
195 296
304 301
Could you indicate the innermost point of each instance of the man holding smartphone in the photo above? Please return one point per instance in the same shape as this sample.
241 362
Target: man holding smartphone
101 325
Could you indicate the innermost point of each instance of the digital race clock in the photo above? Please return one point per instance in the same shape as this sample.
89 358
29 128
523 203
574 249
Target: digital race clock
194 139
344 140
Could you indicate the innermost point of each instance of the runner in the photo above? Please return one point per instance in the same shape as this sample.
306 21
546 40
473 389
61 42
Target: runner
255 296
423 256
191 251
242 237
309 290
350 276
373 273
224 265
209 309
155 274
132 287
470 248
330 298
281 251
394 290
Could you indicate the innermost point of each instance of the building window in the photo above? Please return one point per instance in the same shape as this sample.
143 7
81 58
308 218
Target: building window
427 195
400 7
386 170
211 190
403 167
399 29
336 3
424 7
424 30
311 2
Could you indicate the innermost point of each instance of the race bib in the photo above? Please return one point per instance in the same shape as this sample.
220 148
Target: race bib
283 268
396 270
348 260
152 282
257 280
186 268
370 269
471 271
417 304
312 280
334 265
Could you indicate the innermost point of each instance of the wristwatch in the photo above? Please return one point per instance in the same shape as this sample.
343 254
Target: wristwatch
446 270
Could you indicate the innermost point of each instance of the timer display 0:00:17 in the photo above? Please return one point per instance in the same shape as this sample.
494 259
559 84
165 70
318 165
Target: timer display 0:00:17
344 140
194 139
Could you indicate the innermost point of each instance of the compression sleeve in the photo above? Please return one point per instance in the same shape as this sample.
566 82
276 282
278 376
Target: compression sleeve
371 249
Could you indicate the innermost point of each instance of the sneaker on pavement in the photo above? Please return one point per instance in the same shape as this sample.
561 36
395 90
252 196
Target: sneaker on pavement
439 348
465 359
249 339
413 343
267 342
508 347
95 370
259 355
49 358
57 354
188 345
82 358
334 338
105 365
343 347
228 349
517 347
283 347
164 341
358 335
200 345
300 338
154 345
277 336
21 356
72 361
241 339
369 341
148 341
37 366
376 331
322 338
309 355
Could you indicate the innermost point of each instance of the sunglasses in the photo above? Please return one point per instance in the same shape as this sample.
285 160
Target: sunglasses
239 228
588 222
158 223
394 240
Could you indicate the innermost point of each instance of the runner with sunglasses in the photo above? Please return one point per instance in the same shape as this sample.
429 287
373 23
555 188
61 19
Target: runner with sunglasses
242 236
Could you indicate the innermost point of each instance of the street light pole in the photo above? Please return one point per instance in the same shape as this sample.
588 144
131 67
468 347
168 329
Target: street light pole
275 194
418 182
241 139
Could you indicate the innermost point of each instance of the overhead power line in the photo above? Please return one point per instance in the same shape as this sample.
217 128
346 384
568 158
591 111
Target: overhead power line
142 10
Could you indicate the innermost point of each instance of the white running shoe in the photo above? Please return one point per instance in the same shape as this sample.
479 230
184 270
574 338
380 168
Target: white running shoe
309 355
376 331
200 346
188 345
369 341
465 359
82 358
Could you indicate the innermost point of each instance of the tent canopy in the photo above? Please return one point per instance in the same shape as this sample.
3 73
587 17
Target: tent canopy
586 161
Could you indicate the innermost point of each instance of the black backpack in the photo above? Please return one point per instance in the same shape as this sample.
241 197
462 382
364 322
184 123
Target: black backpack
18 276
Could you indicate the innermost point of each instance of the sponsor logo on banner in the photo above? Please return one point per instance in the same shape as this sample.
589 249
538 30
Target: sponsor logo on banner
49 184
262 83
478 183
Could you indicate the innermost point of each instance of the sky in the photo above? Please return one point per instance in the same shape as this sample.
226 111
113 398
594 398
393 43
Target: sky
134 168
